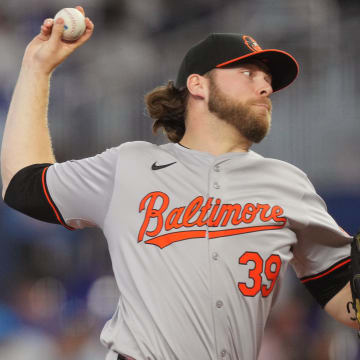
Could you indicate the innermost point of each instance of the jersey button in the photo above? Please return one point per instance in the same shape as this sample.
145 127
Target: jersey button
216 185
215 255
217 168
219 304
223 353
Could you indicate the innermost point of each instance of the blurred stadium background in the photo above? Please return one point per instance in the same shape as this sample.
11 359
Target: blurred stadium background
56 286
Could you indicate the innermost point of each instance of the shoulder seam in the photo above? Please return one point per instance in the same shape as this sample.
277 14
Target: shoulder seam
51 203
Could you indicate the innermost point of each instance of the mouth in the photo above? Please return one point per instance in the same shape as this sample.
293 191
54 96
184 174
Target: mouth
266 106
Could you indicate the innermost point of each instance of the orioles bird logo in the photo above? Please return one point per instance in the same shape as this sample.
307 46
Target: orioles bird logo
251 43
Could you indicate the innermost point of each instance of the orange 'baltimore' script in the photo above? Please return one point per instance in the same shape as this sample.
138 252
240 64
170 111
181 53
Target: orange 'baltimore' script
200 212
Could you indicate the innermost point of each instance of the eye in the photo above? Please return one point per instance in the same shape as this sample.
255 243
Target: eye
247 72
269 79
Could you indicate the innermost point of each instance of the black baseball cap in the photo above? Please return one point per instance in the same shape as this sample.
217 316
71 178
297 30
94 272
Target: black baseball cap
220 50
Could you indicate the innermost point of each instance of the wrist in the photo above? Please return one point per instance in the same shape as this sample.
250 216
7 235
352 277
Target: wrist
39 71
35 68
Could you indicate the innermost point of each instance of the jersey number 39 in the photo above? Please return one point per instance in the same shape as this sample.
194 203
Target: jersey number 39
271 271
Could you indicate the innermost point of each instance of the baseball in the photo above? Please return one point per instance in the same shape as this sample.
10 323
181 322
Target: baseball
74 23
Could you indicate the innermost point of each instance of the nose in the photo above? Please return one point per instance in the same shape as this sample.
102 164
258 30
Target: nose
264 87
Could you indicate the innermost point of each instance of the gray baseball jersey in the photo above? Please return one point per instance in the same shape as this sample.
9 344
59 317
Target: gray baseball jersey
199 243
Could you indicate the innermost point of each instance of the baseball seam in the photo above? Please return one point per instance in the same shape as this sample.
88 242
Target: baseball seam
73 21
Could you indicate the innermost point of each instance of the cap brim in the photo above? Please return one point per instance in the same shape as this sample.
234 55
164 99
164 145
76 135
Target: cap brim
283 67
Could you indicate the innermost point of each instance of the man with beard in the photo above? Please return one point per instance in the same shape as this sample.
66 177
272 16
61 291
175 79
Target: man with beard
248 112
200 230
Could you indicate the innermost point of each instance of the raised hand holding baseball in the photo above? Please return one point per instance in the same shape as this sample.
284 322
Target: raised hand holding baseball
74 23
57 40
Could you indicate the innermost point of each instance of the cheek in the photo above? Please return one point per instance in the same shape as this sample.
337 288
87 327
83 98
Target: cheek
238 93
236 89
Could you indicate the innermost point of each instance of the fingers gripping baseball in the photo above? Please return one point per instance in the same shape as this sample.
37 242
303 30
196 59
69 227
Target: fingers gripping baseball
48 49
45 29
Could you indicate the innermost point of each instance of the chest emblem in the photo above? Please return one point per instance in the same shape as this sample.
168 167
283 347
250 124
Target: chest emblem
191 219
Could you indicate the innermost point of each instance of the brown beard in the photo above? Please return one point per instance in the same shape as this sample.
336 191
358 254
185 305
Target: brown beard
254 126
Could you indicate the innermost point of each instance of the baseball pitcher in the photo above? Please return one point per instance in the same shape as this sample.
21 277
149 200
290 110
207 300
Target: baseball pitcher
200 230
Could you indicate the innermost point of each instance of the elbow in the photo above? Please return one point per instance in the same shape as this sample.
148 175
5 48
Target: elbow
5 184
5 179
3 192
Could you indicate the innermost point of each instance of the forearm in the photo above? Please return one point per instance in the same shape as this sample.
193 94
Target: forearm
338 307
26 138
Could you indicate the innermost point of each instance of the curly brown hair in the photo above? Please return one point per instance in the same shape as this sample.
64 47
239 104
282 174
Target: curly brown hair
167 105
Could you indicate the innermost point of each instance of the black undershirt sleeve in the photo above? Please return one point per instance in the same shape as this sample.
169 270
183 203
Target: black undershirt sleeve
325 285
27 192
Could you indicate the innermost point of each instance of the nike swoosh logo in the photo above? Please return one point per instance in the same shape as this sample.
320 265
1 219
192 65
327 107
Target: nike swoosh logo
158 167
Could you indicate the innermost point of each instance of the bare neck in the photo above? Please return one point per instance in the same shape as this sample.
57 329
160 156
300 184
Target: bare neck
205 132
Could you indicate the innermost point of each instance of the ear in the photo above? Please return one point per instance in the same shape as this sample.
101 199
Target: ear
197 85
